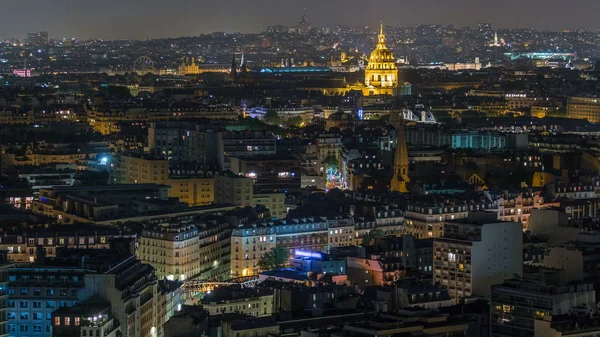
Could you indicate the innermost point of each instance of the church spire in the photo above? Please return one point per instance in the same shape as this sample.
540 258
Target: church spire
400 177
233 65
381 38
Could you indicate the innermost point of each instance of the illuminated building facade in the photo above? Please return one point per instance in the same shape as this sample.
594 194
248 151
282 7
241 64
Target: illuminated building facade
172 250
189 67
140 170
249 242
584 108
381 74
192 191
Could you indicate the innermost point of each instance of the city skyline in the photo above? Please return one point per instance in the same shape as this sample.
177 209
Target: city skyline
133 19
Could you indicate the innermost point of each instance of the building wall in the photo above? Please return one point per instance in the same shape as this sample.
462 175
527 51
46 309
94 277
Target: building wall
34 293
514 311
132 170
234 190
273 201
584 108
497 257
247 247
174 253
257 306
569 260
469 265
193 191
136 309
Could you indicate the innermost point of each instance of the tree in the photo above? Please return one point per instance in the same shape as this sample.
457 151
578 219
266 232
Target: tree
271 117
276 258
373 234
293 121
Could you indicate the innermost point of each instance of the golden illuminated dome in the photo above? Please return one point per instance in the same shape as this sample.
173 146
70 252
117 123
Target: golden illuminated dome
381 74
381 53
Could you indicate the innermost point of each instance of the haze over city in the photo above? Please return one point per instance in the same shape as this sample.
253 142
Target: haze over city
144 19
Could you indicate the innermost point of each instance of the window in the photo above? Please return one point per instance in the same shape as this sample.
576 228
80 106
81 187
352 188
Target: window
67 321
37 292
50 305
11 303
50 292
63 292
24 315
12 315
37 328
451 257
76 321
57 321
11 327
24 304
24 291
37 316
48 316
37 304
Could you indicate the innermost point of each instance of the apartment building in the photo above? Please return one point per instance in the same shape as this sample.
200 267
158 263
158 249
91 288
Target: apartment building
172 249
475 253
276 173
516 304
89 318
193 191
140 170
233 189
22 247
131 288
584 108
5 266
34 292
214 240
251 240
87 204
251 302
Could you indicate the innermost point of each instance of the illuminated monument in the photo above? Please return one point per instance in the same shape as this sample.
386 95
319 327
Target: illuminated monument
400 178
381 74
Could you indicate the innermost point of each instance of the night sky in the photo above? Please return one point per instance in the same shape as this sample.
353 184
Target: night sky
140 19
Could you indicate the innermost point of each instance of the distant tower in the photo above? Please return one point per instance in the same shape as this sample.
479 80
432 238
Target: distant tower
400 178
233 65
495 38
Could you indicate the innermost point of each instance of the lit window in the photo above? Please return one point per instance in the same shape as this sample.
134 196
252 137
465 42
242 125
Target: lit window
57 321
451 257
